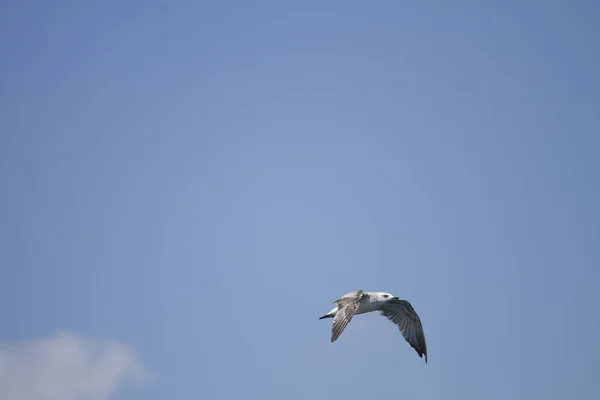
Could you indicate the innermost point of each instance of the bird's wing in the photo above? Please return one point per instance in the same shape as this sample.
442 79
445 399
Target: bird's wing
350 294
401 313
347 307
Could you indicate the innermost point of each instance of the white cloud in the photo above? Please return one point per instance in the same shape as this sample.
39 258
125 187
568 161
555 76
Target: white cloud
66 367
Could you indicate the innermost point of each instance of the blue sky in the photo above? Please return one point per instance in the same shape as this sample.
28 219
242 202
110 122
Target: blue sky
193 184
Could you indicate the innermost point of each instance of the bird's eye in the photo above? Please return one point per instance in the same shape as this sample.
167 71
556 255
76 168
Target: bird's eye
386 296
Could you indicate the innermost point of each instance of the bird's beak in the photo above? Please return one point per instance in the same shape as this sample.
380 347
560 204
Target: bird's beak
395 298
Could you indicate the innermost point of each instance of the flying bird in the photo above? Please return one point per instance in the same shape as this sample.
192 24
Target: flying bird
400 312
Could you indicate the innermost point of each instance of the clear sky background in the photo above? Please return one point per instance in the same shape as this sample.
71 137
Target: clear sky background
187 186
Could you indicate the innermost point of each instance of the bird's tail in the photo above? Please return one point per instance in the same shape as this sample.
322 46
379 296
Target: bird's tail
330 314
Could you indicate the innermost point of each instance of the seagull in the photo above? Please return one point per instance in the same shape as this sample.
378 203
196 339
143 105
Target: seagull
400 312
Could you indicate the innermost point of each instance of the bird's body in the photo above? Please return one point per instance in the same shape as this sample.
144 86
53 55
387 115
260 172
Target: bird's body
367 303
400 312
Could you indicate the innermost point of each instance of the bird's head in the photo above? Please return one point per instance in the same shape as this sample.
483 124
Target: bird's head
382 297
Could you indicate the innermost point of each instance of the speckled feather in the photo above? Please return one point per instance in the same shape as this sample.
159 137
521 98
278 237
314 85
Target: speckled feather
347 307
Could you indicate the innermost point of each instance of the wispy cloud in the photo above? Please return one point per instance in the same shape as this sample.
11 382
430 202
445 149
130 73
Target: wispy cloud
67 367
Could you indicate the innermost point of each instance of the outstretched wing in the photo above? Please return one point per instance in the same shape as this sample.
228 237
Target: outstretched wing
347 307
401 313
